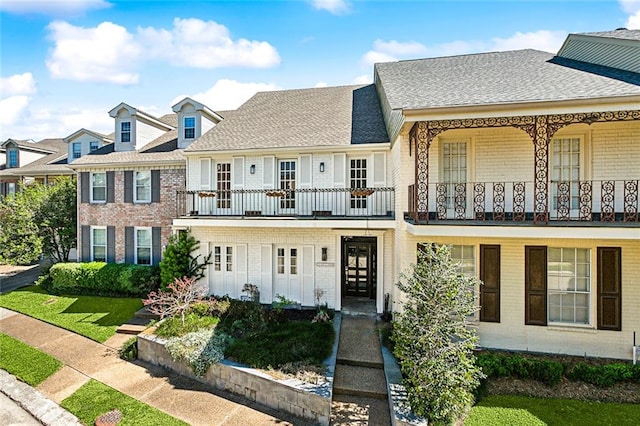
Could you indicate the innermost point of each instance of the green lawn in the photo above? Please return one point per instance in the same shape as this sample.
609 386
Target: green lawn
94 399
94 317
26 363
520 410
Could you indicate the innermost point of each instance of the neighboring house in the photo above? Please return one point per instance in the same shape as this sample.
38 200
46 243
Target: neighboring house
127 190
528 164
20 154
278 194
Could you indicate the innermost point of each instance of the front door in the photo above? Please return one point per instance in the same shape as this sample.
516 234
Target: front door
359 259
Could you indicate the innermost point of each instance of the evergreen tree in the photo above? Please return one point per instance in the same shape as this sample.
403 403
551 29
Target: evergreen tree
178 260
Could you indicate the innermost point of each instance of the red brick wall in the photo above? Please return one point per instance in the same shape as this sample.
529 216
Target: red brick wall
121 214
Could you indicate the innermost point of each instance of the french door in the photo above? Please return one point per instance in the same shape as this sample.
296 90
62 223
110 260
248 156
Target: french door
359 263
287 184
288 272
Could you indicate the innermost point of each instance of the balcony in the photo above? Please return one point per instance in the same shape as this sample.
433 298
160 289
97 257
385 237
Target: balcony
602 202
325 203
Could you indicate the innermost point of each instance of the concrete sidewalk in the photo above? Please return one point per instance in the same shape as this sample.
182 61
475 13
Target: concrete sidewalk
84 359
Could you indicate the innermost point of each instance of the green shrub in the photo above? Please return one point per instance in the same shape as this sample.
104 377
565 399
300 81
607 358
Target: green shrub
242 317
173 326
129 350
605 375
101 279
499 365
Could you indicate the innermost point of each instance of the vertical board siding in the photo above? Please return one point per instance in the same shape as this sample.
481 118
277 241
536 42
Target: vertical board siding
490 277
535 283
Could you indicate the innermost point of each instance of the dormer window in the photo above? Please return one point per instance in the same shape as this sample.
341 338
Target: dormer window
12 161
93 146
125 131
189 127
77 150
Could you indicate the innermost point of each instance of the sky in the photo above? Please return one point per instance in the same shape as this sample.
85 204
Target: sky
64 64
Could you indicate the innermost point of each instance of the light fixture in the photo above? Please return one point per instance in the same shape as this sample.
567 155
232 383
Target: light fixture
252 169
324 254
322 167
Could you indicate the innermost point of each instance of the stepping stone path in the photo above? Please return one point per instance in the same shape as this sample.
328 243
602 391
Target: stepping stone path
359 388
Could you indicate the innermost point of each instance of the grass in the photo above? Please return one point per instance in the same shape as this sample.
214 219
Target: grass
94 317
173 326
511 410
26 363
279 344
94 399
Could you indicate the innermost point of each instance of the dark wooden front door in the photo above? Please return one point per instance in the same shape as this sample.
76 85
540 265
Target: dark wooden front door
359 260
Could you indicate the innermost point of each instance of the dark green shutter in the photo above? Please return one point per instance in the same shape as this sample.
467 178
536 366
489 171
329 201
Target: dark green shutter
156 245
609 288
84 187
128 186
490 277
155 186
111 244
129 248
111 187
535 285
85 243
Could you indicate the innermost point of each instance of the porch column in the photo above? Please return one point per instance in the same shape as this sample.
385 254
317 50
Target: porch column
421 138
541 139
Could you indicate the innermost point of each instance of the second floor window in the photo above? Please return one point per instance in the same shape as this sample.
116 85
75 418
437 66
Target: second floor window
125 131
189 127
143 187
13 158
93 146
77 150
98 187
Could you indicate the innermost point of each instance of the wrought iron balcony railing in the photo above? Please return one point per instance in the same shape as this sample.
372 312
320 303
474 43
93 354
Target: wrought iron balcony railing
588 201
300 203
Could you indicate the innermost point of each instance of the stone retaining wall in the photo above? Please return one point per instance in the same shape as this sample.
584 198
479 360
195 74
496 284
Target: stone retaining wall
311 402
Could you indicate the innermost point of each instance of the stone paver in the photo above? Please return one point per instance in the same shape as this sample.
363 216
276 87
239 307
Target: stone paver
176 395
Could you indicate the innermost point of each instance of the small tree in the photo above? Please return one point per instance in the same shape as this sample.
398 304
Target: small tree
176 299
56 217
20 242
178 260
433 340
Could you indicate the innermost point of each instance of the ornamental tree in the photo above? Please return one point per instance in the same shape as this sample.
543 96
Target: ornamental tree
433 337
176 299
178 260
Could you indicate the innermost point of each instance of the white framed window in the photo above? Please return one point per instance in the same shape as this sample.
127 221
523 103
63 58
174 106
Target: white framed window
189 127
223 185
464 258
217 258
98 243
125 131
142 189
358 179
566 159
287 178
11 188
454 168
12 160
77 150
143 246
569 285
229 259
93 146
280 261
98 187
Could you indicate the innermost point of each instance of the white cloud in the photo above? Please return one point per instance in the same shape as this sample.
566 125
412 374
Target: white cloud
11 110
386 51
632 7
335 7
228 94
18 84
110 53
633 22
321 84
52 7
205 44
363 79
106 53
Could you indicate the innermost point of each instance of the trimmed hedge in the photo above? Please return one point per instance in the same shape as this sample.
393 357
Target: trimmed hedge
605 375
102 279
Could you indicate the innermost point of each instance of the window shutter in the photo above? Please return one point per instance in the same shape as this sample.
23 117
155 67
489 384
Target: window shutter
85 187
155 186
238 172
205 173
156 245
241 267
85 248
111 244
128 186
129 248
490 277
339 170
378 174
268 172
111 181
305 175
535 285
609 288
266 273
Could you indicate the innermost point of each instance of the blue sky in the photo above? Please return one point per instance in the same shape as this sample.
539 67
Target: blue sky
66 63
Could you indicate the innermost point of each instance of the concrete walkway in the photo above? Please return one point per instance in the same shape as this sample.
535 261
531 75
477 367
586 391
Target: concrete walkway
360 387
84 359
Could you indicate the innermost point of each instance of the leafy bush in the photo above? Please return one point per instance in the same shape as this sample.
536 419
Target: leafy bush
605 375
242 317
101 279
199 349
129 350
500 365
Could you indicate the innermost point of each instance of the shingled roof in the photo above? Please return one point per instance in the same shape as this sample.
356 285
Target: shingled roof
494 78
622 34
328 116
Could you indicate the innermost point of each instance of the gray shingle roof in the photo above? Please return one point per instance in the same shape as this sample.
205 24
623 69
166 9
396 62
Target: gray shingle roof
328 116
129 157
623 34
492 78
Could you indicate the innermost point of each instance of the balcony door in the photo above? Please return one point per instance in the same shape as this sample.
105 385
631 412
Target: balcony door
358 199
287 184
566 172
452 193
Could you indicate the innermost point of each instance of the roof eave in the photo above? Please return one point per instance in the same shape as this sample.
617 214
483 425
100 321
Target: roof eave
122 164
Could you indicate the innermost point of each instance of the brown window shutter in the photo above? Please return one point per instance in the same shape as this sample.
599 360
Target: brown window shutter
490 277
609 288
535 285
